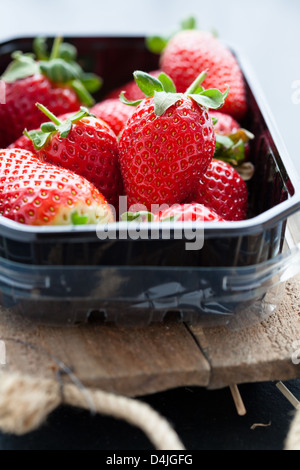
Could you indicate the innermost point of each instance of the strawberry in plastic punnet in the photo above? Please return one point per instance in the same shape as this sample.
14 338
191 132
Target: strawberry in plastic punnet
113 112
35 193
169 141
222 190
226 124
83 144
189 52
188 213
55 80
191 212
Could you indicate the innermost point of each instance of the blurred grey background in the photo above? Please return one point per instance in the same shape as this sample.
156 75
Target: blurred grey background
267 32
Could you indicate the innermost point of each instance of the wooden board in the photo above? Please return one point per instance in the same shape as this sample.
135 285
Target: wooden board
136 362
260 353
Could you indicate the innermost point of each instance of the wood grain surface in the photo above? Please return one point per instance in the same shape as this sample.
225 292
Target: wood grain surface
139 361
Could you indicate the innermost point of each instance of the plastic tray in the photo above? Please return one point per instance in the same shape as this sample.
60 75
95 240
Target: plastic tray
63 275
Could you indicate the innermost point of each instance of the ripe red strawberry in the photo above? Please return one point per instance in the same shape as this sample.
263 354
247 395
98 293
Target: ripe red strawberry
113 112
226 124
34 193
188 213
131 90
82 144
222 190
56 81
168 142
191 51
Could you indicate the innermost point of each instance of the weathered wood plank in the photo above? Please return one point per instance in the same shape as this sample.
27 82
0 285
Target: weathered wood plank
131 362
260 353
140 361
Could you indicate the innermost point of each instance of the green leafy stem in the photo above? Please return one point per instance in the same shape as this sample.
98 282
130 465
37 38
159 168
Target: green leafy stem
78 219
40 137
165 95
59 66
144 216
231 148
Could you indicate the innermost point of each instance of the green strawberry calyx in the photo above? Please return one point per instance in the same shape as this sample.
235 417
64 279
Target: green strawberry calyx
144 216
231 148
164 93
59 66
40 137
78 219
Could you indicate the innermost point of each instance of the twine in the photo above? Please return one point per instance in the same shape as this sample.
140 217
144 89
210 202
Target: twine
293 439
26 402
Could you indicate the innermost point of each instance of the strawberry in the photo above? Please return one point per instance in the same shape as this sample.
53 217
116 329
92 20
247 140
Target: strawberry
131 89
57 81
190 51
82 144
188 213
35 193
113 112
168 142
177 213
226 124
222 190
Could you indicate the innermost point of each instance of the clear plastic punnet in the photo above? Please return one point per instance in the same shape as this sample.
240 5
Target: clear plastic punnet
67 276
